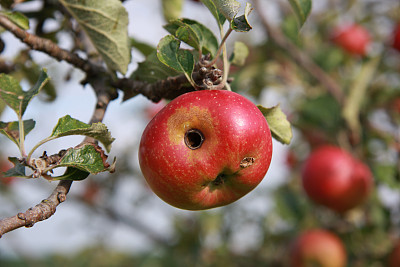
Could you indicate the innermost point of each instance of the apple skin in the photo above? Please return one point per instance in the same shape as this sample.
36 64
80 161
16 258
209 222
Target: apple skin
396 37
353 38
317 247
210 175
394 257
335 179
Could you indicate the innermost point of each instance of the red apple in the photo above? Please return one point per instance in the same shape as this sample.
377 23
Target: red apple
396 37
394 257
395 105
334 178
354 39
205 149
317 248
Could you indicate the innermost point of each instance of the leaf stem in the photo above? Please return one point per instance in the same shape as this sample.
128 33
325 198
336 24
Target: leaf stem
222 46
28 158
21 132
225 59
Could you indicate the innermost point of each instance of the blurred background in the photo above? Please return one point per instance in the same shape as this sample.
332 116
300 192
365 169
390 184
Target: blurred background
116 220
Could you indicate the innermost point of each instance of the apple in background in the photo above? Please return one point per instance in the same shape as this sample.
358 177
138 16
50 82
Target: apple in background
394 257
334 178
5 165
353 38
395 105
317 247
91 192
396 37
205 149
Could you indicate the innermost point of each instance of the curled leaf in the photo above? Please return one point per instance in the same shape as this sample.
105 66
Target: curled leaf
278 124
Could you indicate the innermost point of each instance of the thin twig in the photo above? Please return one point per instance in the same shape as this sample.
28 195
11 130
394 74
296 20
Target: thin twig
300 57
48 47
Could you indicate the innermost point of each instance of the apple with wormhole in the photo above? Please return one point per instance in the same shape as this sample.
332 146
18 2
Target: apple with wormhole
205 149
352 38
333 178
317 247
394 257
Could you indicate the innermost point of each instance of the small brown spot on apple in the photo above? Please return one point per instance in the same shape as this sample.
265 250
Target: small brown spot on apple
247 162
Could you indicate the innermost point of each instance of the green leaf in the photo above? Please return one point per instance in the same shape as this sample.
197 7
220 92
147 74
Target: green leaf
152 70
11 92
168 52
87 157
13 95
17 171
240 53
194 34
229 8
11 129
290 28
29 70
302 9
42 80
358 89
172 9
214 11
387 174
72 174
106 24
68 126
278 124
322 112
241 24
17 18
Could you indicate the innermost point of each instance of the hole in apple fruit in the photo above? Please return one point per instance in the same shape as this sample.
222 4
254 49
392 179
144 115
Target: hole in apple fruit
194 139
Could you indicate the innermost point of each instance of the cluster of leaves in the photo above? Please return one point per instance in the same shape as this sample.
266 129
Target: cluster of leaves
80 161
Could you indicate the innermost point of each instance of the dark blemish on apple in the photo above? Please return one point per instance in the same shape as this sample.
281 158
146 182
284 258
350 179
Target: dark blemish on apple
247 162
194 139
219 180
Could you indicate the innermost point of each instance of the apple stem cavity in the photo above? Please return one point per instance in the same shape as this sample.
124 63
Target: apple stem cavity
219 180
194 139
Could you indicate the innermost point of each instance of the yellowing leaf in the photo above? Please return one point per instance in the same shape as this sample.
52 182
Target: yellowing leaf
106 24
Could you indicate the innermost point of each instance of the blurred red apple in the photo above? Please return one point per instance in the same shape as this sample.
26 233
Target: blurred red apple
334 178
394 257
205 149
353 38
5 165
396 38
317 248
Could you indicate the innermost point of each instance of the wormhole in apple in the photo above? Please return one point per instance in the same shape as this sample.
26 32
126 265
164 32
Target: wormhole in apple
194 139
